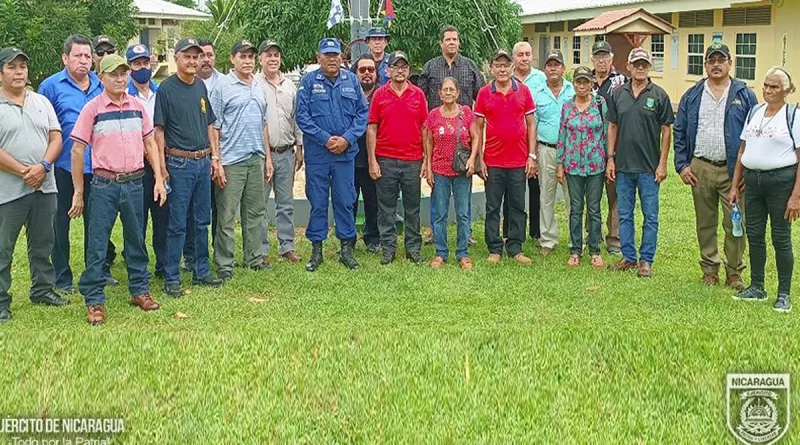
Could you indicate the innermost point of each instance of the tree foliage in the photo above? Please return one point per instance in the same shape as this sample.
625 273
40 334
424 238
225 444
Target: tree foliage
224 40
184 3
298 26
39 27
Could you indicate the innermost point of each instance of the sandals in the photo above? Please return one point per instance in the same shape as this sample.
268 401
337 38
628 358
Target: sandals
597 262
574 260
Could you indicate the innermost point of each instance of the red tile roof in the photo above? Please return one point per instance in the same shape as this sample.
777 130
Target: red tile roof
605 19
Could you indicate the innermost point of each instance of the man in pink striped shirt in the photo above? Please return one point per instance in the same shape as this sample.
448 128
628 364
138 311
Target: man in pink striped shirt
120 132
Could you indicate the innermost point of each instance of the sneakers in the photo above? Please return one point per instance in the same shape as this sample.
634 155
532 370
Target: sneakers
374 247
710 279
225 275
783 303
173 290
615 251
752 293
50 299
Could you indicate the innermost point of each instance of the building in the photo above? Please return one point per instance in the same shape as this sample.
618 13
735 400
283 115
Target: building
160 22
761 34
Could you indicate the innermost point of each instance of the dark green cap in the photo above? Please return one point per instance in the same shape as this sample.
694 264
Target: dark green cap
7 55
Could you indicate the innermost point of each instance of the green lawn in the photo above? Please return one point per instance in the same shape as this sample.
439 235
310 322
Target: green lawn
502 354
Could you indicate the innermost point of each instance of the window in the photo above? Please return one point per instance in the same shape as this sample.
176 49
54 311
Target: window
696 19
657 52
540 27
572 24
759 15
696 54
746 56
576 50
556 42
556 26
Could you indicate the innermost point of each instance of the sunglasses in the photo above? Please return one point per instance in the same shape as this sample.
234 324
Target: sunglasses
102 52
366 69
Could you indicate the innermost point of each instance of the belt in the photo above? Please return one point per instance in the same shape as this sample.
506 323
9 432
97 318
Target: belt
546 144
792 167
119 177
281 149
189 154
714 163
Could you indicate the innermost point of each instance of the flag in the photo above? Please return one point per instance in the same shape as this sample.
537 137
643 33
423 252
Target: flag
336 15
388 14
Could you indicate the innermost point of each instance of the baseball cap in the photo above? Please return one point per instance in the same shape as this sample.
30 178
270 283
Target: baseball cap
242 46
718 48
185 44
555 55
639 54
582 72
397 56
9 54
499 54
112 62
99 40
330 46
376 32
267 44
137 52
602 46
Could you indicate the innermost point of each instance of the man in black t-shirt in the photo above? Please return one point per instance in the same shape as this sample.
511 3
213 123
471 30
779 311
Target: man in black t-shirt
640 113
183 119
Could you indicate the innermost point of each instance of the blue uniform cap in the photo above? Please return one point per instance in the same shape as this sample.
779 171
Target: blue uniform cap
330 45
137 52
376 32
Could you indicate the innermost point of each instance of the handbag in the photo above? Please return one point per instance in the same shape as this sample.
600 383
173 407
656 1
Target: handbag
461 154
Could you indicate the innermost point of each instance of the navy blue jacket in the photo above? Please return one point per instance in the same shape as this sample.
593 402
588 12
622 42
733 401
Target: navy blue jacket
326 109
740 101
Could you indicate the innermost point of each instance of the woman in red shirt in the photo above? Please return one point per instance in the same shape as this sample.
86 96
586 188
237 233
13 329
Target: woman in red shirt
441 129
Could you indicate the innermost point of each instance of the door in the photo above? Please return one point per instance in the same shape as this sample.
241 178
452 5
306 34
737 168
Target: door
144 37
544 48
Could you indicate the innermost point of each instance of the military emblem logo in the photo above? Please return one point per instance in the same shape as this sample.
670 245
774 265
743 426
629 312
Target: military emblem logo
651 103
758 407
203 105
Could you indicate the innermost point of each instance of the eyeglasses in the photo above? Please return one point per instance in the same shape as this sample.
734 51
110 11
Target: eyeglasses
366 69
102 52
400 67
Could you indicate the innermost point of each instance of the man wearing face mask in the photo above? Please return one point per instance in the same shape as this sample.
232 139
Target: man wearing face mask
142 87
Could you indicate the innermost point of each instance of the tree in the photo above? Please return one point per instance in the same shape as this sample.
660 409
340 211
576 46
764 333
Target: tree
39 27
225 39
184 3
300 25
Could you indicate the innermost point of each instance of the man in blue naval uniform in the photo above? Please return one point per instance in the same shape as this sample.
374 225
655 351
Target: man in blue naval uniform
377 39
332 114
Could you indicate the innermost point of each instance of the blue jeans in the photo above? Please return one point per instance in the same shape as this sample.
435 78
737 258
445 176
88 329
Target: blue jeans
627 185
109 198
443 187
469 209
191 184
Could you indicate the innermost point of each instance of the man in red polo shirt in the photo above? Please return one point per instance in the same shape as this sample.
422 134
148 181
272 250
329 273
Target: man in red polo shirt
505 109
394 151
120 132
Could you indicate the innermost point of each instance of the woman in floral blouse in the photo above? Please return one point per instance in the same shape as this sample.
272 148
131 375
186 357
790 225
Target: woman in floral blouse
582 162
440 146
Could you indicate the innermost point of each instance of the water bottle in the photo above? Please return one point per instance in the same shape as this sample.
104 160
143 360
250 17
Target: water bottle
736 219
167 187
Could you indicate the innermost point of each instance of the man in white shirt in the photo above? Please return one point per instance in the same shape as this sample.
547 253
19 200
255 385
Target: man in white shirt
286 145
142 87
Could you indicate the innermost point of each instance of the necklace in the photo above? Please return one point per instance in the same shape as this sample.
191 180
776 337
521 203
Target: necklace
763 125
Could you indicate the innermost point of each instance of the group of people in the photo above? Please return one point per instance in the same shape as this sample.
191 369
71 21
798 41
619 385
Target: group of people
202 147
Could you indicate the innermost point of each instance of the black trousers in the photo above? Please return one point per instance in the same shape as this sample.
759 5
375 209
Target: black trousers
365 186
533 211
396 176
61 247
508 183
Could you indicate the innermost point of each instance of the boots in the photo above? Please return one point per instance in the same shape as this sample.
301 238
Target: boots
346 256
316 257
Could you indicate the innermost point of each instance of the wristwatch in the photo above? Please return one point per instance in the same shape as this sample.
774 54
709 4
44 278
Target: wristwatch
612 155
47 166
532 156
215 158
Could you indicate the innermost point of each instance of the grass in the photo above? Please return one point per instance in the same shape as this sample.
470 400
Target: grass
505 353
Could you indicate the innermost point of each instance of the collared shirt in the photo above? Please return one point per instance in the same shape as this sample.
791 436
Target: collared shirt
640 119
330 107
68 99
614 80
506 126
241 111
211 82
399 118
281 99
548 110
361 157
582 139
116 131
464 70
711 125
534 79
149 101
24 135
183 111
